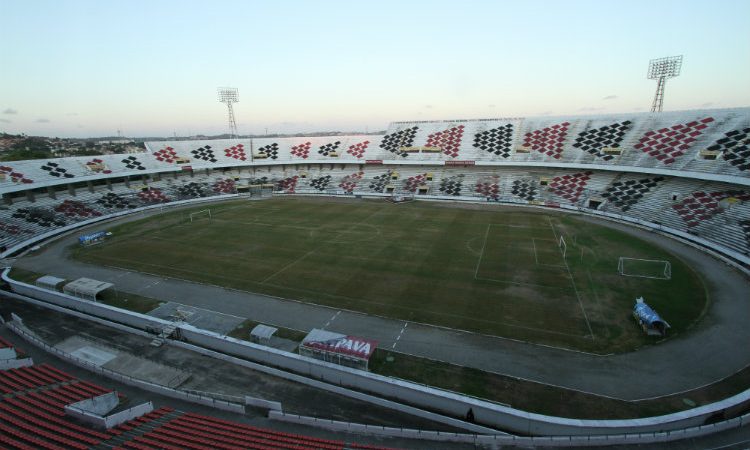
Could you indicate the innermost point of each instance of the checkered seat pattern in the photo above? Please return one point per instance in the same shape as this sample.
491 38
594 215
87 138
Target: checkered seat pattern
132 163
449 141
302 150
111 200
379 182
624 194
152 195
549 140
488 188
226 186
497 141
668 144
76 209
166 154
43 217
271 151
321 183
570 187
191 190
524 189
349 182
700 206
288 185
236 152
97 165
413 183
452 185
358 150
9 229
205 153
15 176
56 170
595 140
329 149
735 148
403 138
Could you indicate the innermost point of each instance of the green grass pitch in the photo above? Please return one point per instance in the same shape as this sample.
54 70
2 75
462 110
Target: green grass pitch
486 269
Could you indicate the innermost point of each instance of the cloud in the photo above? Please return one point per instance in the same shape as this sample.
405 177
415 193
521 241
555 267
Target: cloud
706 105
10 111
491 106
544 113
610 97
42 120
590 108
72 114
5 121
428 106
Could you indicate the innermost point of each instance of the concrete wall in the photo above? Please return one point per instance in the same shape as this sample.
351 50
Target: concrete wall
7 364
100 405
424 398
263 404
7 353
105 422
27 335
498 440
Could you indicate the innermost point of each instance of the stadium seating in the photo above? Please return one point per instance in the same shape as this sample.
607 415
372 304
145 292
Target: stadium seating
32 416
627 164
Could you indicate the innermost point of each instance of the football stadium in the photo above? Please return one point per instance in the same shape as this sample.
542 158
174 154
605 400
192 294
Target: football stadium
540 281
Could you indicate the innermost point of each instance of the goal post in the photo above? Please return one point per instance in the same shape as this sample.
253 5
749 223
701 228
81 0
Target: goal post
204 213
645 268
563 246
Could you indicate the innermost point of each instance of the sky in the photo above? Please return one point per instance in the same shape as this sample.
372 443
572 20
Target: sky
151 68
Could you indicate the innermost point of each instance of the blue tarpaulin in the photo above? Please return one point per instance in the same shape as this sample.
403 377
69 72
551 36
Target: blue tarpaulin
86 238
647 316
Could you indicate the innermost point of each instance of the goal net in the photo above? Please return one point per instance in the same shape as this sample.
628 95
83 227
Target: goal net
202 214
645 268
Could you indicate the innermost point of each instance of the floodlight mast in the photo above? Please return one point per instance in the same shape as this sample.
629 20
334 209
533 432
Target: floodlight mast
660 69
229 96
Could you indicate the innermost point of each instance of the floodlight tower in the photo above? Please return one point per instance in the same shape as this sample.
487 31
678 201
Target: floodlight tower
229 96
660 69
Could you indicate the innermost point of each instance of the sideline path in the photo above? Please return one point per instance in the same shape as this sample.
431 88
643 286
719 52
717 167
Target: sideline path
714 349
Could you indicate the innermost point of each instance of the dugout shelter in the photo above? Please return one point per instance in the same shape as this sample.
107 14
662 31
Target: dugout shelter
86 288
350 351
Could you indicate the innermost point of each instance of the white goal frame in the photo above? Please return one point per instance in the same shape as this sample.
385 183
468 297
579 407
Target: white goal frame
192 215
563 246
666 274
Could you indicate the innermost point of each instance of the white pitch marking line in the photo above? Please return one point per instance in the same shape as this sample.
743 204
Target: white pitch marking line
481 253
406 324
332 319
575 288
536 258
149 286
288 266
